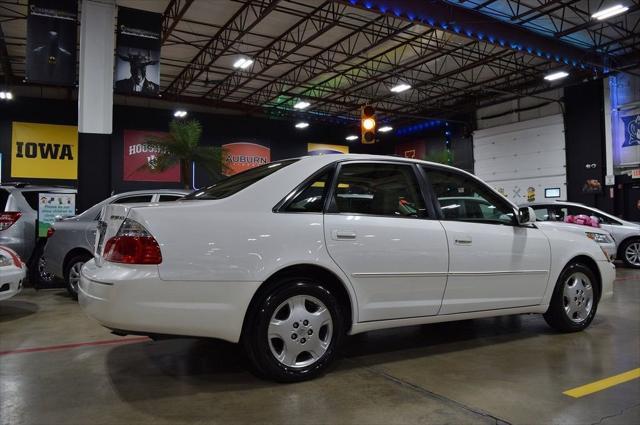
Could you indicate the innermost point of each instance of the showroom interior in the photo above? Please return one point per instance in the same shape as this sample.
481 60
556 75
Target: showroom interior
168 146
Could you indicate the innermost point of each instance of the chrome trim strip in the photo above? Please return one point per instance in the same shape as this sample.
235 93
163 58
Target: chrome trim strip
96 281
442 274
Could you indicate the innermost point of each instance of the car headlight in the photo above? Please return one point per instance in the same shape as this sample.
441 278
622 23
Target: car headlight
599 237
5 261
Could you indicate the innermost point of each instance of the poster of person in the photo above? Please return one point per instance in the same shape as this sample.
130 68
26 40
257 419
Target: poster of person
592 186
51 41
138 159
242 156
53 205
137 62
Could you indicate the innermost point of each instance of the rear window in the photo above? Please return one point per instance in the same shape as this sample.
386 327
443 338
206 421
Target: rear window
4 196
234 184
31 198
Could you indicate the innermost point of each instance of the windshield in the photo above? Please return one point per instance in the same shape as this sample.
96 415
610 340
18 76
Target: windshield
236 183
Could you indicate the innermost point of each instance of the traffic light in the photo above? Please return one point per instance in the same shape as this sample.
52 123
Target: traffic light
368 124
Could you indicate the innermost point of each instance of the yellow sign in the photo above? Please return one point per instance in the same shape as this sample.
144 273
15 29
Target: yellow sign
322 149
44 151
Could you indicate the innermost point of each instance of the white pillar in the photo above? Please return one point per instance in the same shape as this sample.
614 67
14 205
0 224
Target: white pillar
95 98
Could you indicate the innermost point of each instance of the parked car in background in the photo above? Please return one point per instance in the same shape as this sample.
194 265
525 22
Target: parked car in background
454 207
70 240
19 227
290 256
12 273
626 234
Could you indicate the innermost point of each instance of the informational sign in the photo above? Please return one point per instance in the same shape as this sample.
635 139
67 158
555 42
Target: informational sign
138 45
241 156
52 205
631 127
51 41
323 149
138 158
44 151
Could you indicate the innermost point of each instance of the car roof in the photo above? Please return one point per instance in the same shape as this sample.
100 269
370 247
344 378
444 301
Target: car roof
34 188
151 191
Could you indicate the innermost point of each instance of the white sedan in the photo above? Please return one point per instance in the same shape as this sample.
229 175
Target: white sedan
12 273
289 257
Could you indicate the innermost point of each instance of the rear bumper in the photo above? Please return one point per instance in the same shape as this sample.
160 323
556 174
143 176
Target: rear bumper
11 281
608 275
55 259
135 299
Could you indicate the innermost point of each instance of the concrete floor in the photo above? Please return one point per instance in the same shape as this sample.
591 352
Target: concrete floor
505 370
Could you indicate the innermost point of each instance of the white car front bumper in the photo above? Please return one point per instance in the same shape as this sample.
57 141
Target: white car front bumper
134 299
608 275
11 278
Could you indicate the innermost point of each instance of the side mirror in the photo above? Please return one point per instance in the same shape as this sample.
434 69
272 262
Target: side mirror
526 215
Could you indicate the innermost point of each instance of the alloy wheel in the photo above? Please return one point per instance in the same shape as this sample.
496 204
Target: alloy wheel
578 297
300 331
632 253
74 275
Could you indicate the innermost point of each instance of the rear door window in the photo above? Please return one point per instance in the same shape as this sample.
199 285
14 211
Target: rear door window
169 198
133 199
4 197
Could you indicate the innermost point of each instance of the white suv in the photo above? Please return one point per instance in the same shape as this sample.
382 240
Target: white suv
289 257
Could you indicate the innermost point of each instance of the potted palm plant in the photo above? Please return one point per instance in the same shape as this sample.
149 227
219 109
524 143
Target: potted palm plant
182 146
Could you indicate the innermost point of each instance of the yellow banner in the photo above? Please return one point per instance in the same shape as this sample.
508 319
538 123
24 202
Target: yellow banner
323 149
44 151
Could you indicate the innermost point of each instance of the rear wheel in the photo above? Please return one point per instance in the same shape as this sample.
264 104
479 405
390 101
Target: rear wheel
630 251
38 274
295 331
72 272
575 299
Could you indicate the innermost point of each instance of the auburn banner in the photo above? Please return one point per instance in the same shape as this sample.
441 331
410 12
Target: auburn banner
137 153
323 149
138 52
241 156
44 151
51 41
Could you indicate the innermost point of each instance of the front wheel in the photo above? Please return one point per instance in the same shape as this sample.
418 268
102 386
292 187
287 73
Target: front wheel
72 273
575 299
295 332
630 253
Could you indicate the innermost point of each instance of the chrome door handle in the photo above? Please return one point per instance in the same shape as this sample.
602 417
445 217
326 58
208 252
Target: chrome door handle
343 235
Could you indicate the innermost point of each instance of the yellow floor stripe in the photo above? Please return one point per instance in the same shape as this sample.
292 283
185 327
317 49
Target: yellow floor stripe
603 384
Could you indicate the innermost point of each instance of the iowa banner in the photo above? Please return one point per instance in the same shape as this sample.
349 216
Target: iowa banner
51 41
44 151
138 52
241 156
137 153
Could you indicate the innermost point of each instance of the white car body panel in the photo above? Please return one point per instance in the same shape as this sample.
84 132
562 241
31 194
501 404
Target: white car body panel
217 253
609 248
11 276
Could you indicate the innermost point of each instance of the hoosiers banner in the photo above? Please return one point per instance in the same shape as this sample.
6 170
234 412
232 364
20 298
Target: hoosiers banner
138 52
137 153
44 151
241 156
51 41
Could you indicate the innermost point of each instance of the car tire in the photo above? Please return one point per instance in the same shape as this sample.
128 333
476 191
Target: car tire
294 332
629 253
575 299
72 272
38 276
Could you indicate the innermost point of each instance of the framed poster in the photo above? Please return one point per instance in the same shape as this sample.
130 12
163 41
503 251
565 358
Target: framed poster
52 205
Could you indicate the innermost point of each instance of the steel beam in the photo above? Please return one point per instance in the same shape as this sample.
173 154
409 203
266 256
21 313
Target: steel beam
5 62
173 13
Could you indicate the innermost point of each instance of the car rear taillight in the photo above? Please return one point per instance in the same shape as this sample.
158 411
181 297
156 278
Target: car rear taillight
8 218
50 232
13 255
133 244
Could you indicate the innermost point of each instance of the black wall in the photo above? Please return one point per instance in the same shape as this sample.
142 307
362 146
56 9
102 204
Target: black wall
585 143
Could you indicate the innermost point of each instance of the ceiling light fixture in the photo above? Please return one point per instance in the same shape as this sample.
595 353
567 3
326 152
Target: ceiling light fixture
180 113
385 129
609 12
400 87
6 95
351 137
243 63
556 76
301 105
302 125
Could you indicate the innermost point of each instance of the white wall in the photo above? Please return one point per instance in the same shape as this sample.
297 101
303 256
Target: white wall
522 159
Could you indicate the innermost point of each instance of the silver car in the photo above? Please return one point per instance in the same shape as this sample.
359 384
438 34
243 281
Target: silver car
70 241
625 233
18 224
